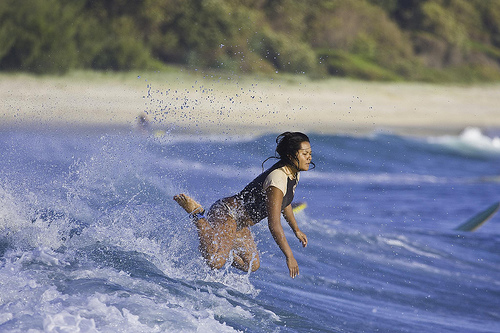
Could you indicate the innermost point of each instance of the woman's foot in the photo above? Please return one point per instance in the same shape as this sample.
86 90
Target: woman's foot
189 204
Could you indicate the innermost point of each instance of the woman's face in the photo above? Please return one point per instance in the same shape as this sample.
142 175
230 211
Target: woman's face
304 156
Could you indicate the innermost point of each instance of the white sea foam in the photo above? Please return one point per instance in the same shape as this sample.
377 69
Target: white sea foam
375 178
470 142
105 300
405 244
166 138
11 217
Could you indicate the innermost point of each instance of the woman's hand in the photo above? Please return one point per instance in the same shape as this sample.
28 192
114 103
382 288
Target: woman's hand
293 267
302 237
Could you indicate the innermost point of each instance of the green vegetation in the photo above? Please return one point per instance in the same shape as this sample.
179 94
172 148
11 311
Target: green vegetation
425 40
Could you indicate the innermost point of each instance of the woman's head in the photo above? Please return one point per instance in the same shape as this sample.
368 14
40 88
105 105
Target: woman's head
294 149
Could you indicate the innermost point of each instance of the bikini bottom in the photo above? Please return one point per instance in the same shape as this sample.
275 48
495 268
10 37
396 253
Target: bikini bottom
233 208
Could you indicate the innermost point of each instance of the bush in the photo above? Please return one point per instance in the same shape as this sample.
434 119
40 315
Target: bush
284 54
490 15
121 48
364 32
341 63
38 36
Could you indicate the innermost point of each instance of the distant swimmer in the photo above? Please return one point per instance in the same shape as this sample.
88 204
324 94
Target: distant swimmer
224 228
143 123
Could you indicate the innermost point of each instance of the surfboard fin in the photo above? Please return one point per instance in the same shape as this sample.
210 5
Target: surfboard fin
479 219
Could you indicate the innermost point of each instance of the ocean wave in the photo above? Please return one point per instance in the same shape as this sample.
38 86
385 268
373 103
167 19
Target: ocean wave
378 178
168 138
471 142
91 240
47 293
403 243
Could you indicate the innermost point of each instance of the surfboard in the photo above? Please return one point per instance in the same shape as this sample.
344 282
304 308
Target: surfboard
298 206
479 219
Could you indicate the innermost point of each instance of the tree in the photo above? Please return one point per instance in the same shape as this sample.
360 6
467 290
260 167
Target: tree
38 36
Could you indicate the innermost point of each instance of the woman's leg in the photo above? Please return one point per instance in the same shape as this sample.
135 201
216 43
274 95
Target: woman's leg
216 232
245 253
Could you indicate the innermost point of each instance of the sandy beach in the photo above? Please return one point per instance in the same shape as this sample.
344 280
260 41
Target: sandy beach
244 105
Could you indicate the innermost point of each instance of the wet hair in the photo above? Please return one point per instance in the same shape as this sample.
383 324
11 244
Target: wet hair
287 146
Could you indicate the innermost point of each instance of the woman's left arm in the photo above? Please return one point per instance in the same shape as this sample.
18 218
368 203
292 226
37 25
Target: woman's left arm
290 218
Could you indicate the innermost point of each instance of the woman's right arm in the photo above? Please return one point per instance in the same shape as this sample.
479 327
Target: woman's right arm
274 200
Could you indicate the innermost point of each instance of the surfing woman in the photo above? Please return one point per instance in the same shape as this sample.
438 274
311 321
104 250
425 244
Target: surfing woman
223 230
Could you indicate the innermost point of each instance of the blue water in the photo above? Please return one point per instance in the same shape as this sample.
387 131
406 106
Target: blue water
91 240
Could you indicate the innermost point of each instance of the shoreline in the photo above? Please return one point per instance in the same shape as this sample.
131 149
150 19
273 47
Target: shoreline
197 103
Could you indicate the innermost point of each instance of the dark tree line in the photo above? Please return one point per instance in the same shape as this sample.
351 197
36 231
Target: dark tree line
433 40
